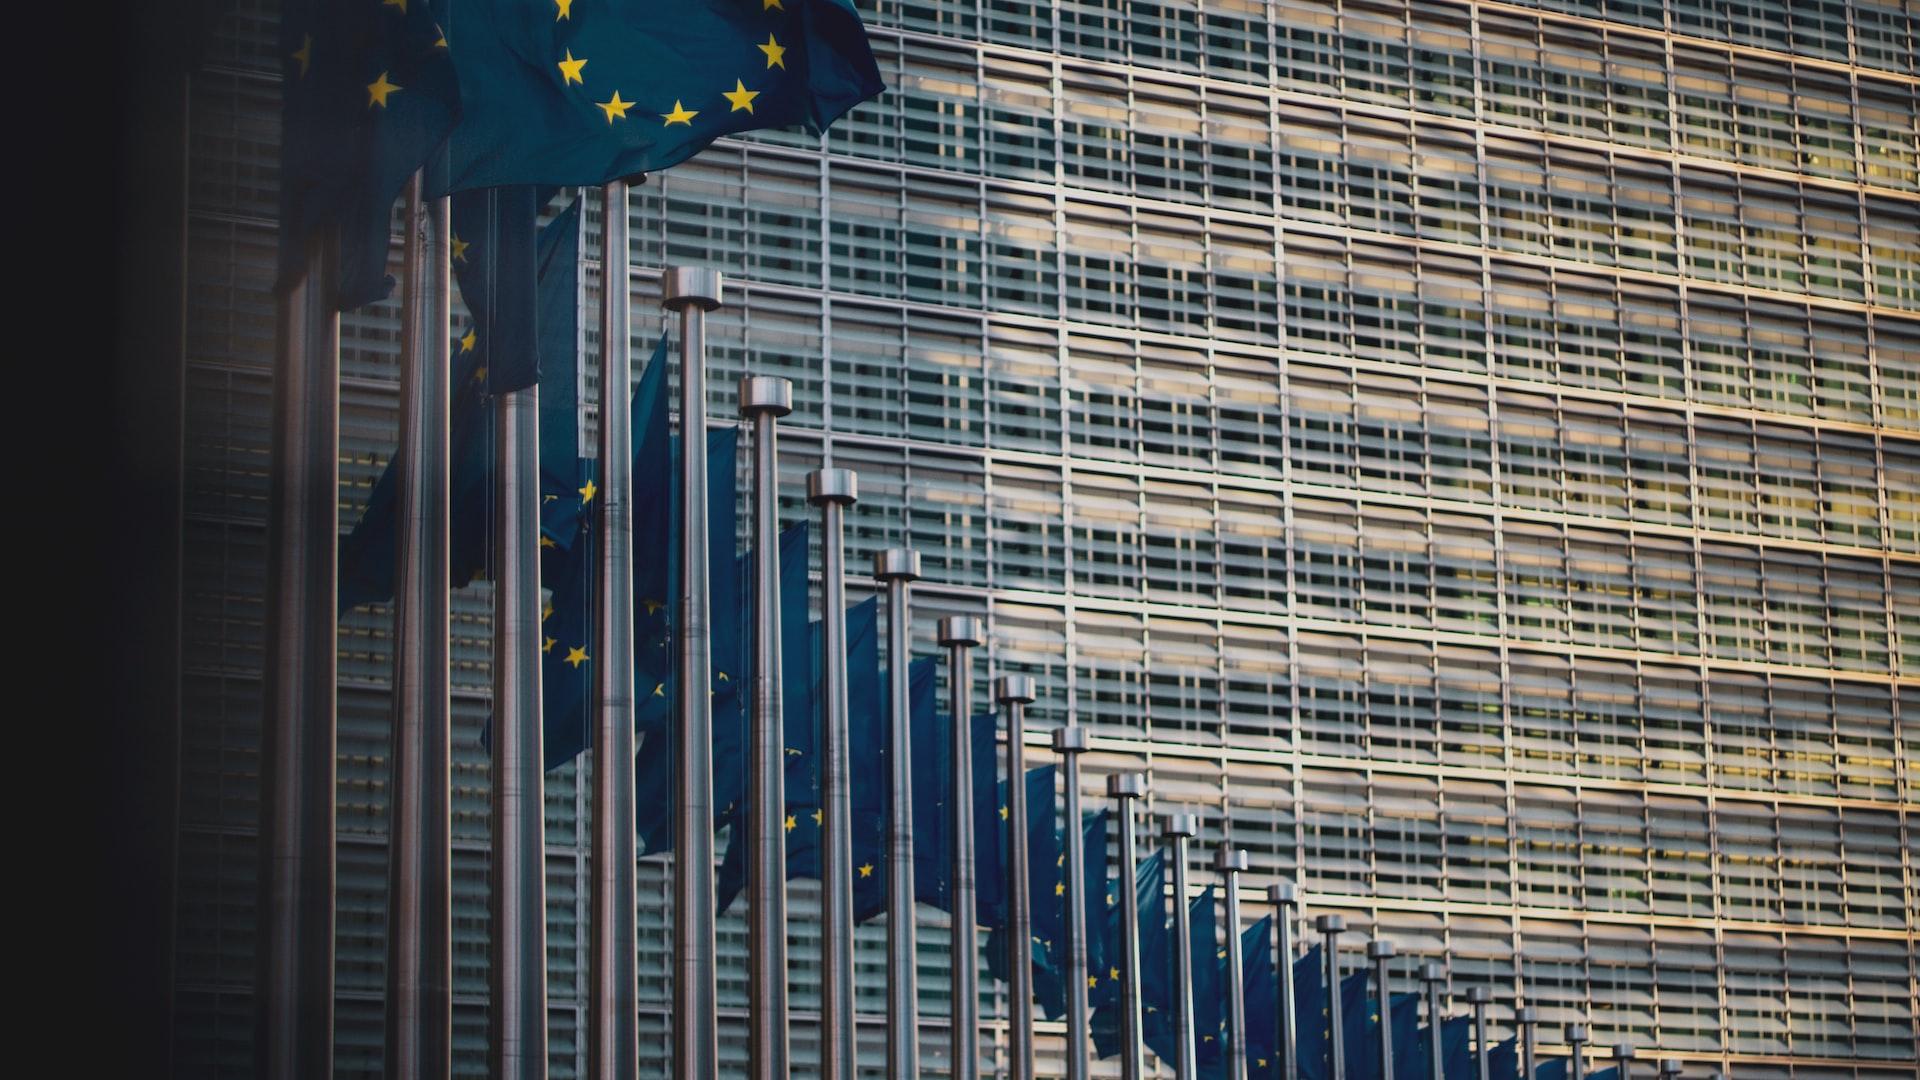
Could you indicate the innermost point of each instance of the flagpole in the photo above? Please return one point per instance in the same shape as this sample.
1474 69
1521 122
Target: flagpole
1577 1057
693 292
833 490
1622 1062
1527 1017
1434 975
1478 997
959 634
613 1039
419 976
1125 788
1669 1069
293 1019
1285 899
518 954
1230 863
1332 926
1014 692
764 399
1381 952
895 568
1069 743
1180 829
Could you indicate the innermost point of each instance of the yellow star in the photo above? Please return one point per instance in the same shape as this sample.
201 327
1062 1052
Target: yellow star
468 340
1093 981
776 53
615 107
867 870
1262 1061
819 816
441 41
791 752
460 249
721 676
379 90
401 4
586 493
791 823
652 606
480 375
304 54
546 611
547 541
740 96
1110 901
680 115
548 647
1059 888
576 656
570 70
566 9
771 5
660 690
1113 974
1003 813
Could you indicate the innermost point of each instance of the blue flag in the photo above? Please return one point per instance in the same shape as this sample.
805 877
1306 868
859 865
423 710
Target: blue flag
1503 1061
1611 1072
1312 1014
1045 892
1404 1029
805 771
493 256
1360 1028
1552 1070
1456 1049
368 93
1156 964
866 762
1207 982
1260 995
565 94
870 764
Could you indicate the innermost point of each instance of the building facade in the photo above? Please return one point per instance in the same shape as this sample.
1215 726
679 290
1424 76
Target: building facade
1468 452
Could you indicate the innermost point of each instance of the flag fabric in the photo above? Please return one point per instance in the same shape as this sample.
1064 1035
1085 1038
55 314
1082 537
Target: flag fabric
1312 1016
1456 1049
559 93
1208 983
1403 1029
1094 893
1552 1070
1503 1061
1156 966
867 713
1360 1028
493 254
806 771
1045 890
1611 1072
1260 996
368 94
873 775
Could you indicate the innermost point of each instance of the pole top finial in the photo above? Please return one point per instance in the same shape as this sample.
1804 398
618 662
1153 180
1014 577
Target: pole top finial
1527 1015
1179 825
1623 1051
962 630
833 486
1669 1066
1283 894
765 394
691 286
1230 860
1330 924
1576 1034
1126 785
1069 740
896 563
1013 688
1433 971
1381 949
1479 995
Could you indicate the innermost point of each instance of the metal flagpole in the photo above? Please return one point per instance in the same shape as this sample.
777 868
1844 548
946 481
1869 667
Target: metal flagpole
1622 1061
763 399
1433 975
1014 692
613 1017
419 1015
1285 900
895 568
1478 997
1381 952
1125 788
1070 743
1669 1069
518 955
1332 926
1230 863
1180 829
959 634
293 1019
1577 1054
1527 1018
696 1048
833 490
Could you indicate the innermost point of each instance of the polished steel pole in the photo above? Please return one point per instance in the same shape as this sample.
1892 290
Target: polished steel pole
1180 829
1381 952
1124 788
1230 863
959 634
1433 975
518 973
1576 1051
833 490
613 1016
1069 743
1332 926
1014 692
696 1047
1479 997
1669 1069
419 976
895 569
1527 1018
1286 901
293 1017
763 400
1622 1061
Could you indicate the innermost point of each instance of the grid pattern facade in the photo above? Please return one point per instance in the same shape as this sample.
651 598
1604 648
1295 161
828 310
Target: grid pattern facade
1468 452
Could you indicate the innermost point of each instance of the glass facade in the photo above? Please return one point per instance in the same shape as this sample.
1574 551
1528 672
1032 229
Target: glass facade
1468 452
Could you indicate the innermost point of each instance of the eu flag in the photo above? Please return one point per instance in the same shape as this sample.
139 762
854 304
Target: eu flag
805 771
564 93
368 94
1403 1027
1260 994
1156 965
1312 1015
1206 982
1045 889
1611 1072
871 754
1360 1026
1456 1052
1503 1061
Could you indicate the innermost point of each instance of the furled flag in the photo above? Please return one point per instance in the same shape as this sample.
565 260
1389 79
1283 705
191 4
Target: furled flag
1503 1061
1360 1022
872 775
1156 964
1456 1051
1404 1029
559 92
368 93
806 771
1261 998
1045 887
1207 981
1552 1070
1312 1015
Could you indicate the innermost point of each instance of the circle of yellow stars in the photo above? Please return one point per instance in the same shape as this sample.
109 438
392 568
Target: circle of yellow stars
616 108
